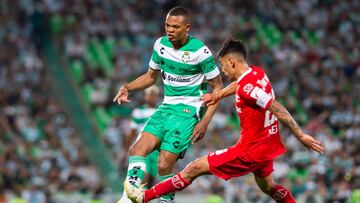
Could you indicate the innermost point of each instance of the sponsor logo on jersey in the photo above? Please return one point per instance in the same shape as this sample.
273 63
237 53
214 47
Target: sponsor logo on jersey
185 57
177 79
247 88
163 75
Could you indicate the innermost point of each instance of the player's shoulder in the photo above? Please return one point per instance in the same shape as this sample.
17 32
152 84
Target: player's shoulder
162 41
193 44
255 73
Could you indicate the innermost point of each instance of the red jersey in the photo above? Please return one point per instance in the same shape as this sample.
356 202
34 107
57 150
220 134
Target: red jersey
260 138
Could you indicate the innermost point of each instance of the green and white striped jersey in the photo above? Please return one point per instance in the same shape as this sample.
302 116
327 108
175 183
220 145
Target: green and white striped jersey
140 116
184 73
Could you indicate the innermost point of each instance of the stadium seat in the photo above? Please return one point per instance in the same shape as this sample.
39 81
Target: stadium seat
77 70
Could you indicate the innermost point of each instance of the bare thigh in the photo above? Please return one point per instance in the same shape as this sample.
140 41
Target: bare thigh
145 144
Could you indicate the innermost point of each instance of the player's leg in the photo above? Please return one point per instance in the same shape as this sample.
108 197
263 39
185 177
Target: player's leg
166 164
176 183
137 153
147 142
178 130
151 169
264 179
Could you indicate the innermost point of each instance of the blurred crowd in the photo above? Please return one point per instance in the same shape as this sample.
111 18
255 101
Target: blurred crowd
310 50
41 155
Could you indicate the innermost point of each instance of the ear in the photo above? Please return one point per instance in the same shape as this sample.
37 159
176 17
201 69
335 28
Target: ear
188 26
232 62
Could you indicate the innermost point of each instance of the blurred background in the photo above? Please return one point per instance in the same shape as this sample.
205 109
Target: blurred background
62 62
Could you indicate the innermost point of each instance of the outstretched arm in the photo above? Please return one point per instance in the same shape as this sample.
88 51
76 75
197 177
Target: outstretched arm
142 82
210 99
200 128
284 116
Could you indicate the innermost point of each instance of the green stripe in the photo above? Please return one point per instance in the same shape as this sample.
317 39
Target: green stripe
155 57
192 44
165 41
177 68
185 90
208 64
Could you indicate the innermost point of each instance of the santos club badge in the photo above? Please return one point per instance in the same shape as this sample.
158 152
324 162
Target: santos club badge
185 57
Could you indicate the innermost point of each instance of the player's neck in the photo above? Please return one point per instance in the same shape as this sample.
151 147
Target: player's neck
180 43
242 70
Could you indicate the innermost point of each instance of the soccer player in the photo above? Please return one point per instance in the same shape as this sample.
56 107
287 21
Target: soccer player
140 116
259 142
186 66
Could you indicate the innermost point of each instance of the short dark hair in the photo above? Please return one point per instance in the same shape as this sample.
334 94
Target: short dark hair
179 11
232 46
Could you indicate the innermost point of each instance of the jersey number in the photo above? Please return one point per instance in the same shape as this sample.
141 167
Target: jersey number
269 120
218 152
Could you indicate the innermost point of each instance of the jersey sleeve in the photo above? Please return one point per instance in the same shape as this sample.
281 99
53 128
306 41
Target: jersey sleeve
154 62
207 63
254 93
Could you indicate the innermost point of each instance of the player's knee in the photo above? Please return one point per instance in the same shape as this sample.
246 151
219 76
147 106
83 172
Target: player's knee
193 170
164 166
135 150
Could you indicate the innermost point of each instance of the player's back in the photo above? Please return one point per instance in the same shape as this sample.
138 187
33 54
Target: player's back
260 137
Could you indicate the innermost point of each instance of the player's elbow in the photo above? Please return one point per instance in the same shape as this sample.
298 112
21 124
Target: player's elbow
216 83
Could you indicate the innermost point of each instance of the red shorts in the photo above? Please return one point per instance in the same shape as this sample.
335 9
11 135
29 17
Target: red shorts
227 164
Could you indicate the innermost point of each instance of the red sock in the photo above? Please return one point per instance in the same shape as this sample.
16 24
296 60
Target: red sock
282 195
170 185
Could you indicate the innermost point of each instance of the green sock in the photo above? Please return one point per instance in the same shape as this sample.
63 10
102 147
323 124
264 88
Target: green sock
167 197
136 170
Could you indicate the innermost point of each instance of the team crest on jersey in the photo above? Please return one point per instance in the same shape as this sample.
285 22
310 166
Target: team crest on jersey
185 57
248 88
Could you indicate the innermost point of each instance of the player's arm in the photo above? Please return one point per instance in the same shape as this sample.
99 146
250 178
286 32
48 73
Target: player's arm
142 82
200 128
284 116
210 99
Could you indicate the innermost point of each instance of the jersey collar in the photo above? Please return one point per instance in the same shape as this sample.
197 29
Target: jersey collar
244 74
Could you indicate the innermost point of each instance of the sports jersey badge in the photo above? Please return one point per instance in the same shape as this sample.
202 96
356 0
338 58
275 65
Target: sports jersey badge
248 88
185 57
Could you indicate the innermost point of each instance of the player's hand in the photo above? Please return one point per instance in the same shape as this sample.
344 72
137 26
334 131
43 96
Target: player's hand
122 95
312 144
210 99
199 131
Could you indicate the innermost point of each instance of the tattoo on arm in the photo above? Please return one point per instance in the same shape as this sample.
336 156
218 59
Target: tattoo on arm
284 116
